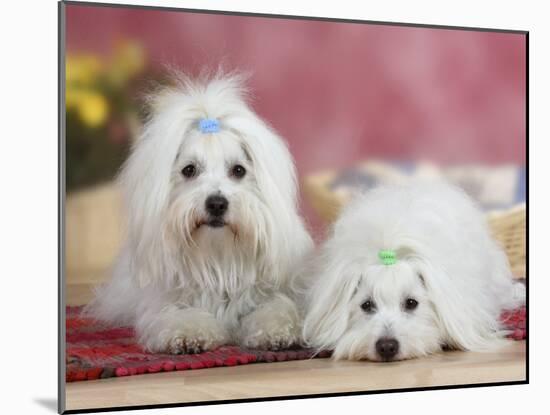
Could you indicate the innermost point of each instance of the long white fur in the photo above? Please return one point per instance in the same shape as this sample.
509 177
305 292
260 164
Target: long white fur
447 261
189 288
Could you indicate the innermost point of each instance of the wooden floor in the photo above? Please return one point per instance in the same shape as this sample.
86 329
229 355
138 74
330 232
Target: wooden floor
315 376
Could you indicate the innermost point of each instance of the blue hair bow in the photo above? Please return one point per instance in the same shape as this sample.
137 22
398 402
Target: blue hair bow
209 125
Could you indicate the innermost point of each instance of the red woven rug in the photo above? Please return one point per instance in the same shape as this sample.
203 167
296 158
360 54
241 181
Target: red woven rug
95 350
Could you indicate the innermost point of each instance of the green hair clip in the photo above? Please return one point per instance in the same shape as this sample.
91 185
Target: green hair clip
387 256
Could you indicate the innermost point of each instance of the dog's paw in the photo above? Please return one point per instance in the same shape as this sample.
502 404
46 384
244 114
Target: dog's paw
187 343
184 331
273 326
279 338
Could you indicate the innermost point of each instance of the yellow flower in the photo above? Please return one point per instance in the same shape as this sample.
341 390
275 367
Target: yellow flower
82 69
128 60
72 97
93 108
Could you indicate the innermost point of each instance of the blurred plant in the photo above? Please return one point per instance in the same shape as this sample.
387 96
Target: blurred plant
102 111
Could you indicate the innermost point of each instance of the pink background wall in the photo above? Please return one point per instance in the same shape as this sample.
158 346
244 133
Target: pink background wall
339 92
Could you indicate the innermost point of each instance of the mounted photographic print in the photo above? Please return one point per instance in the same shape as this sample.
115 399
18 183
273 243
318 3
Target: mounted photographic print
258 207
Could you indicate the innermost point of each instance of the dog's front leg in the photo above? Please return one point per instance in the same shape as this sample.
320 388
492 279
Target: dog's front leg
273 325
180 330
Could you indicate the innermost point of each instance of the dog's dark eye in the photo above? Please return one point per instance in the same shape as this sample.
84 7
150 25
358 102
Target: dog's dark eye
238 171
411 304
368 306
189 171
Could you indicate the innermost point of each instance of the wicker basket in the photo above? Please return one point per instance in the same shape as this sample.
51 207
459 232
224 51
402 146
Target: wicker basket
93 232
508 226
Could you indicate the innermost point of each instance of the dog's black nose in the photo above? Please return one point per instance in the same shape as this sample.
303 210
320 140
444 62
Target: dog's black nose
216 205
387 348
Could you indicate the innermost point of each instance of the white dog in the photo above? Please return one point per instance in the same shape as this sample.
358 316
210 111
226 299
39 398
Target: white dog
408 270
213 229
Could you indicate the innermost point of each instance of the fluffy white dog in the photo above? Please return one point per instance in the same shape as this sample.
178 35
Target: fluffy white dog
408 270
213 229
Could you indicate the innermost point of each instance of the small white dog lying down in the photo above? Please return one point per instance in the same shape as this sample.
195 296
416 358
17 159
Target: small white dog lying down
408 270
213 229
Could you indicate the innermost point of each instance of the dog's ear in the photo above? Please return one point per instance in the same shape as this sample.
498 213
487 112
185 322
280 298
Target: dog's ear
329 299
145 182
270 156
275 175
465 315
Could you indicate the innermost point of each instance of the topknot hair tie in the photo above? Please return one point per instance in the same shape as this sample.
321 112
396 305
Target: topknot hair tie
387 256
209 125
